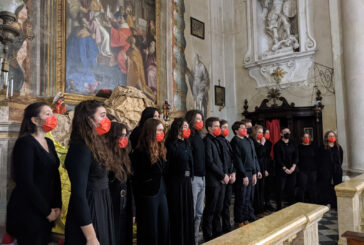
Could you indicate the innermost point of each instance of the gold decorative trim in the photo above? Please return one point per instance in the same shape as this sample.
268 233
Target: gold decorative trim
60 62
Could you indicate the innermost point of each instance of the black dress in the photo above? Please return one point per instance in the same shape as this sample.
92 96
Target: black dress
122 199
329 174
150 199
179 192
90 201
38 189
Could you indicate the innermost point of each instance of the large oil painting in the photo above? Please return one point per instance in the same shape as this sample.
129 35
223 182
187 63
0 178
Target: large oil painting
110 43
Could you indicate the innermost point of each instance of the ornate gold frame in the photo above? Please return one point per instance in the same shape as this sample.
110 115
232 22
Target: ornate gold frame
60 63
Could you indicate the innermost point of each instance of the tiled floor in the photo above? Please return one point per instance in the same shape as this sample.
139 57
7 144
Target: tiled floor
328 228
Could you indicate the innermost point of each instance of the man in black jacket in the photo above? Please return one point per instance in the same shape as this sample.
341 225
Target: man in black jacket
216 179
286 157
227 156
244 164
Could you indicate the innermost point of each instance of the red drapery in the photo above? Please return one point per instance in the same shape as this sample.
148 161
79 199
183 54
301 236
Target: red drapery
274 128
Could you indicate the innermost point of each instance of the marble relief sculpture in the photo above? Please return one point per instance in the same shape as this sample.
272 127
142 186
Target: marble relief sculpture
277 14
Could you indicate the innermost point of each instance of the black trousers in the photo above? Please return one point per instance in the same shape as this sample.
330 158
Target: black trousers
211 217
225 214
243 207
286 185
259 192
153 219
307 182
39 237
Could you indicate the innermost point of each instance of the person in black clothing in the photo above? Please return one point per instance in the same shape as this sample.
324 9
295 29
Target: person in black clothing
149 112
89 158
246 178
36 200
227 157
330 172
178 180
307 164
261 150
216 180
195 121
120 188
149 166
286 157
270 175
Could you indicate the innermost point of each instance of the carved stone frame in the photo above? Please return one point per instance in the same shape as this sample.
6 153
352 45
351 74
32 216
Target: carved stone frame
60 63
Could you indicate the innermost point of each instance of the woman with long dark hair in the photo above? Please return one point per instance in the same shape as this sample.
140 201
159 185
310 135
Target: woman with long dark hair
149 164
149 112
36 200
90 214
330 172
120 188
178 180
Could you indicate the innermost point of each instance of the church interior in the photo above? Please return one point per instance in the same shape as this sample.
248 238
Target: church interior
282 64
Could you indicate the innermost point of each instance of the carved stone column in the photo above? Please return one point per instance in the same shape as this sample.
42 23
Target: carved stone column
179 60
353 46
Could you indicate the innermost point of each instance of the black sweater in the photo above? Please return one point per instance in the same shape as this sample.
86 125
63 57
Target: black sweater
38 185
307 157
180 160
198 152
244 161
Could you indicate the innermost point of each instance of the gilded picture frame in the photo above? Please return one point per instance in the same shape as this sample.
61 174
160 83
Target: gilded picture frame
59 66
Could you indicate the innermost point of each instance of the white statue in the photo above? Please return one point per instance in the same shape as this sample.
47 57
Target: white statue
199 82
278 26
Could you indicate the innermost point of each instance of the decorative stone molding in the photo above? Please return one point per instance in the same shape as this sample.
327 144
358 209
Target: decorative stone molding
279 36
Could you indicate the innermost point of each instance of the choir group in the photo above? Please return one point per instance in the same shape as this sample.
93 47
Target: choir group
169 186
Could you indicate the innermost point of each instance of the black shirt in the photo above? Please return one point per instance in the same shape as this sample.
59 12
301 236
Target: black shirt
227 154
179 159
285 154
198 153
307 157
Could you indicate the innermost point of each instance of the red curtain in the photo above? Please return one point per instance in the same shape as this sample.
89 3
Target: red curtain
274 128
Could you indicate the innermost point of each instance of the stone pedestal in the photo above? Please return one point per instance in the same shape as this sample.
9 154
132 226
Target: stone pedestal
350 206
8 134
353 47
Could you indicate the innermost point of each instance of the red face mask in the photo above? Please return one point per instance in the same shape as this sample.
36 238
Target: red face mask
159 136
123 142
306 140
186 133
243 132
260 136
225 132
217 131
199 125
332 139
104 126
267 136
50 123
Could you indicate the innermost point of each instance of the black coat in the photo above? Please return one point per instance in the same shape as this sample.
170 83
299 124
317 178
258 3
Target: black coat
147 176
38 187
227 154
330 162
215 168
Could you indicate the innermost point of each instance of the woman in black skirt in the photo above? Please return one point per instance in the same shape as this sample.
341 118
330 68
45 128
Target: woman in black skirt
149 165
90 214
120 187
330 172
178 180
36 200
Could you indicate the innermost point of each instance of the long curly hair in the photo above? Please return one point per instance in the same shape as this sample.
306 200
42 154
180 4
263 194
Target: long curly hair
175 129
147 140
121 161
84 129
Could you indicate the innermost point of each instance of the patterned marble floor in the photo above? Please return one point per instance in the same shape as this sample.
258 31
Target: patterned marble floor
328 228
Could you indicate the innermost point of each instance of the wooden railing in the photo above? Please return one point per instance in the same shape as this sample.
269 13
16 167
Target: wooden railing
297 224
350 206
